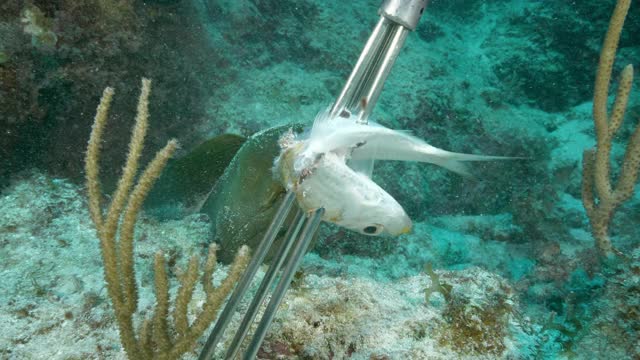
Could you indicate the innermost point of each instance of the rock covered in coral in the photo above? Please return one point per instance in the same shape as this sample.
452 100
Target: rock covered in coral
337 318
617 314
54 300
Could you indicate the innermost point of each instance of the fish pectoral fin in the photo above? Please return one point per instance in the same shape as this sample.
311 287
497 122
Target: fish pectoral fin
362 166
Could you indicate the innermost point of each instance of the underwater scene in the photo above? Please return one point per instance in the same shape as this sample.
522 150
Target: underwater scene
159 157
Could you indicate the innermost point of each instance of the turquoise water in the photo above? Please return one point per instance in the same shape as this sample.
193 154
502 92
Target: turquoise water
502 265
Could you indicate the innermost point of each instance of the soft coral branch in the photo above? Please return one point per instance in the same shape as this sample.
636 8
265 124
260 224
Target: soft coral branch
599 197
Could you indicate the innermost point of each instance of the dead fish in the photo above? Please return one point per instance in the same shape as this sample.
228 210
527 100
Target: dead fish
315 167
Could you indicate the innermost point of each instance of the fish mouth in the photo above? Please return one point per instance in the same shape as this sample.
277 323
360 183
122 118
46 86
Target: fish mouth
405 230
404 227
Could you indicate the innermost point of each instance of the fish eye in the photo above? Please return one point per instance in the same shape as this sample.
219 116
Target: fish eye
372 229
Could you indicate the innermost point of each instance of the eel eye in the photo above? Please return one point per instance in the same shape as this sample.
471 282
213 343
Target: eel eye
372 229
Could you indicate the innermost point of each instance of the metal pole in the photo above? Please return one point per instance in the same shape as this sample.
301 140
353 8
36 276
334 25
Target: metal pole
247 277
364 85
267 281
298 252
359 96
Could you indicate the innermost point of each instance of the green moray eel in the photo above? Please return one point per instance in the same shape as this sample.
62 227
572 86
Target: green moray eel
187 180
229 178
244 200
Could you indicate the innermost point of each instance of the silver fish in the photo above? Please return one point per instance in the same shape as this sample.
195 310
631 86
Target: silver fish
330 167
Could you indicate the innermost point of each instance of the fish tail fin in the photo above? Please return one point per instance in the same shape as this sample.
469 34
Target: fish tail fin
457 162
453 165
